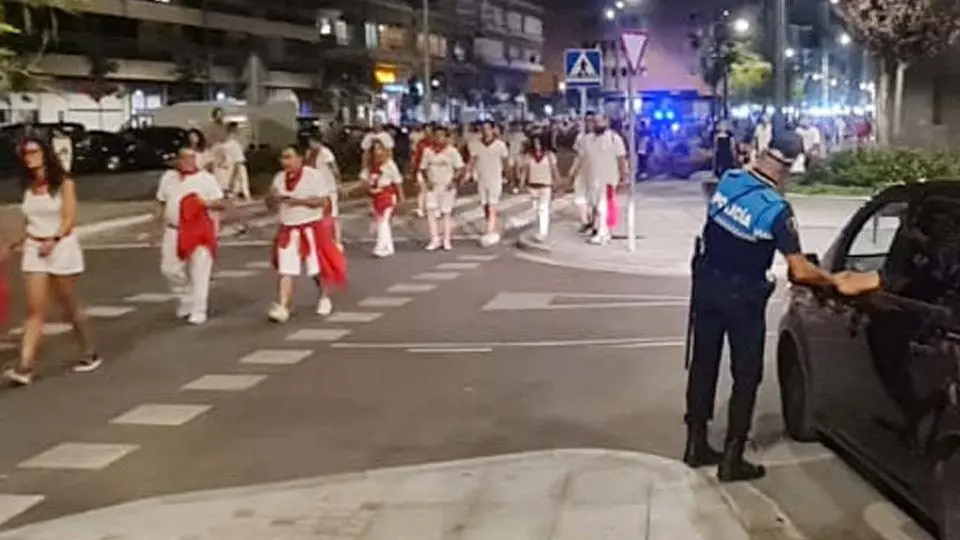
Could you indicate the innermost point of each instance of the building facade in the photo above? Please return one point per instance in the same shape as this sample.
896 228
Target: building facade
116 59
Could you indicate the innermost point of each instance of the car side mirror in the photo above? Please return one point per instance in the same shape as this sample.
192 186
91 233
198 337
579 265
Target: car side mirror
813 258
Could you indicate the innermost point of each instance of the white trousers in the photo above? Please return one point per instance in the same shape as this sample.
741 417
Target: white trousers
597 201
241 182
541 207
384 232
189 280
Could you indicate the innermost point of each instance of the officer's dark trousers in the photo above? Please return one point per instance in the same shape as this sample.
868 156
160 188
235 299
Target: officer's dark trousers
734 307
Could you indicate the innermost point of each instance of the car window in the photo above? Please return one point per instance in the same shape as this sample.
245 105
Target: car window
930 267
871 243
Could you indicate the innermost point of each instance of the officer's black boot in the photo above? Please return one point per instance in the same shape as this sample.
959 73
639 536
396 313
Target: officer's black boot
733 468
698 452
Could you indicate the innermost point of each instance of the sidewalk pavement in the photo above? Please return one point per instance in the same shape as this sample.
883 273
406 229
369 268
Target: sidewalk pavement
547 495
669 216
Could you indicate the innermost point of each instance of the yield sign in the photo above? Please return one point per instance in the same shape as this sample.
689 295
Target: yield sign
635 43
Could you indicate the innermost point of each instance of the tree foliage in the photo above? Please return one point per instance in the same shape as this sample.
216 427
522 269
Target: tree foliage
25 36
902 29
749 71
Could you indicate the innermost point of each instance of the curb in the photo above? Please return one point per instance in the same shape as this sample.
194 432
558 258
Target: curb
527 242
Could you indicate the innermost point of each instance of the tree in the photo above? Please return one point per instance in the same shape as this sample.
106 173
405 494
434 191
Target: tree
25 36
899 32
749 71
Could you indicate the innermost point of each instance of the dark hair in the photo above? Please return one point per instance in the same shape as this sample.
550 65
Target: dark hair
52 168
293 146
201 139
545 143
217 111
232 127
316 136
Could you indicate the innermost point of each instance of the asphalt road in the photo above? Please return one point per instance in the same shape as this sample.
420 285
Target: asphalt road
472 357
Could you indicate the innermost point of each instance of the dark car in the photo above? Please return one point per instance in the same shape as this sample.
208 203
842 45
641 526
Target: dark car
879 375
155 147
11 134
102 151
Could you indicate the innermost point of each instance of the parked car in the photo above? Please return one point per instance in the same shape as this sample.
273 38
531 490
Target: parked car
102 151
155 147
879 375
11 134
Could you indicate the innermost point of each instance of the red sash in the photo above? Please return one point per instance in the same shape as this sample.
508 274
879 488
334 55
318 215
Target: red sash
195 228
385 198
332 261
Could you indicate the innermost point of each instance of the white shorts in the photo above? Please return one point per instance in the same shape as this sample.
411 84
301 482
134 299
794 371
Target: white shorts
490 192
441 200
65 260
291 263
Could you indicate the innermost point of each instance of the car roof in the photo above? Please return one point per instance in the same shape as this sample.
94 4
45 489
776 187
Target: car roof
944 187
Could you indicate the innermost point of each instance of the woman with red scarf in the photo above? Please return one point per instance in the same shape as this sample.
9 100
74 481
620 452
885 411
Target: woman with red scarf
384 184
540 173
305 241
188 200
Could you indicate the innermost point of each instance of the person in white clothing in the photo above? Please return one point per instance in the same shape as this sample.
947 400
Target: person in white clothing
63 147
234 164
539 174
580 180
762 135
52 259
602 157
488 161
812 145
516 144
384 184
189 279
198 143
321 157
376 133
302 197
441 167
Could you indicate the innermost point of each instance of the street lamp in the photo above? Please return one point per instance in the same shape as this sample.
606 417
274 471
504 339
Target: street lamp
741 26
620 4
789 52
610 14
844 39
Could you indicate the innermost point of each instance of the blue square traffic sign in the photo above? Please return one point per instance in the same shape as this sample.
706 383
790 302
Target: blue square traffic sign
583 67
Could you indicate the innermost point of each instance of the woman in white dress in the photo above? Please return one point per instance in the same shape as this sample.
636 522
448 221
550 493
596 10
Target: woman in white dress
384 184
540 174
52 258
198 143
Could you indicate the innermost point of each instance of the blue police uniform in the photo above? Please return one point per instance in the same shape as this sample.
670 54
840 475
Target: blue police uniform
747 221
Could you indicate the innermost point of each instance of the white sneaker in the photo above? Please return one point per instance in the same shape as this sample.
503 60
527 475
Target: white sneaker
20 378
447 245
324 306
278 314
434 244
599 239
382 252
489 240
197 318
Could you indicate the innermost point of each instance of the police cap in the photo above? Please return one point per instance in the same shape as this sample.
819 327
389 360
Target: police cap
785 147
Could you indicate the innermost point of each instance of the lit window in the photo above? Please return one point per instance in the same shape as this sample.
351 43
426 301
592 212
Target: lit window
325 26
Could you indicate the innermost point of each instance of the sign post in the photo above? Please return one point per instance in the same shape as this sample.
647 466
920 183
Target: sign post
635 45
584 70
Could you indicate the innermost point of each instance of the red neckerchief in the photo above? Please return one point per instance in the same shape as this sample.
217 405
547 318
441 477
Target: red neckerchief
376 169
292 178
538 156
187 171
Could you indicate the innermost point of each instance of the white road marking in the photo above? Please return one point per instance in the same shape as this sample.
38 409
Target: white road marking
318 334
225 383
109 311
523 301
384 301
89 456
669 341
457 266
449 350
12 506
407 288
234 274
161 414
353 317
49 329
437 276
478 258
258 265
150 298
276 357
650 345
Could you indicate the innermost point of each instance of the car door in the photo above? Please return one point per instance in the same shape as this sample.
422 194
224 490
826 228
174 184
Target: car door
837 350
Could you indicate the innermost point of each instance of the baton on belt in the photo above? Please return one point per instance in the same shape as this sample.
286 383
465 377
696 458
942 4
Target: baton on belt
692 311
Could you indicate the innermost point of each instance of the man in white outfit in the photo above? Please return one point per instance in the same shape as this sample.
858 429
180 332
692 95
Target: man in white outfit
189 279
580 180
235 163
440 169
488 161
602 157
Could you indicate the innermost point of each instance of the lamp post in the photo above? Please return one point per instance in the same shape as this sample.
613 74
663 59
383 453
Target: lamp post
611 15
780 65
427 75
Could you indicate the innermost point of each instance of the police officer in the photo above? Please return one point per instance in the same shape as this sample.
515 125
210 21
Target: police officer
747 220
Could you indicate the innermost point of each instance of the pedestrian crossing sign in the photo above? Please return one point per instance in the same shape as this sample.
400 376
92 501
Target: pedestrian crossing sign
583 67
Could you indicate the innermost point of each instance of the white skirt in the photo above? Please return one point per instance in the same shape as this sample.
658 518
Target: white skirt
66 259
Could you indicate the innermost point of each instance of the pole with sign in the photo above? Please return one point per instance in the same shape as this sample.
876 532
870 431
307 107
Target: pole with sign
635 45
584 70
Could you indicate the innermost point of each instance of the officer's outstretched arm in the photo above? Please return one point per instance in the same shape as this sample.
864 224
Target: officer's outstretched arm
801 271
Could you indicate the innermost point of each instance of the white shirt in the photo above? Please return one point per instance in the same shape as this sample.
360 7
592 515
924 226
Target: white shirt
327 161
440 166
313 183
811 137
601 155
763 134
541 172
173 189
385 139
488 161
389 175
231 153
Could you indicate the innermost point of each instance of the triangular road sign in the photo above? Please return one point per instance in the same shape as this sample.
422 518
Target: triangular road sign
635 43
583 69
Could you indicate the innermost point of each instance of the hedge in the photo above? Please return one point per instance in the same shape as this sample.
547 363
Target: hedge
876 168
